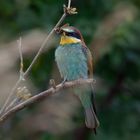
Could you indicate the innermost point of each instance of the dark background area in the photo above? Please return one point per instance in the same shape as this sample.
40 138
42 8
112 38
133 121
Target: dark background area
111 30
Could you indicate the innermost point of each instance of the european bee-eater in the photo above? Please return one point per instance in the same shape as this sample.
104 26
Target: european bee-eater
74 61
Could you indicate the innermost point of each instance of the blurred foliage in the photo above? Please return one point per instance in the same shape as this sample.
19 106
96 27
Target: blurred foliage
118 68
41 73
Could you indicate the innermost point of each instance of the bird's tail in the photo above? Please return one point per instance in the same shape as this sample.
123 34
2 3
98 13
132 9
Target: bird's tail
91 119
86 96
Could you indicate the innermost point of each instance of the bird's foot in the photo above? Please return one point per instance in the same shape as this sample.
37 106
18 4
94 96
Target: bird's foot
63 82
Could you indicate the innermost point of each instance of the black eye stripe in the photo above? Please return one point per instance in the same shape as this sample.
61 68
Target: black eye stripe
73 34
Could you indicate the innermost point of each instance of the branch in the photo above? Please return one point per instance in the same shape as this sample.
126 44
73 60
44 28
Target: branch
67 10
42 96
21 78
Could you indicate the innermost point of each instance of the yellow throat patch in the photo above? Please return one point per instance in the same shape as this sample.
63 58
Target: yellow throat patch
68 40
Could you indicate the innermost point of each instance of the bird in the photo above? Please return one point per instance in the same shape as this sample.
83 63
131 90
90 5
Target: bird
74 61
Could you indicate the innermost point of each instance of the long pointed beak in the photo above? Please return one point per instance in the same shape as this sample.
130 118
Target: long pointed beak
62 29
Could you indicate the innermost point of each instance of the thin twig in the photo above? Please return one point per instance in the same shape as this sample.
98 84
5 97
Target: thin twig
46 39
20 53
21 60
11 104
22 75
69 3
6 106
42 96
43 44
10 94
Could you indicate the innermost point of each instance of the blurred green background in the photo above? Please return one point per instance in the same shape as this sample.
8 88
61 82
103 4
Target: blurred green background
111 30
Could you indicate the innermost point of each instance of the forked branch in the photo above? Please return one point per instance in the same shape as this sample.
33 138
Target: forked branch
43 96
67 10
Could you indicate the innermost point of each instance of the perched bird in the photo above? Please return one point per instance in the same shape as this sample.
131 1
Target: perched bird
74 61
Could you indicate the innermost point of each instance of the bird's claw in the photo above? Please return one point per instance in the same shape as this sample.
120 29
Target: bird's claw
63 82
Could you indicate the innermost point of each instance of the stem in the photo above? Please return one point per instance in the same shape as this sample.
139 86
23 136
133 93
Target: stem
20 53
11 104
5 106
43 44
8 98
22 74
46 40
69 3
